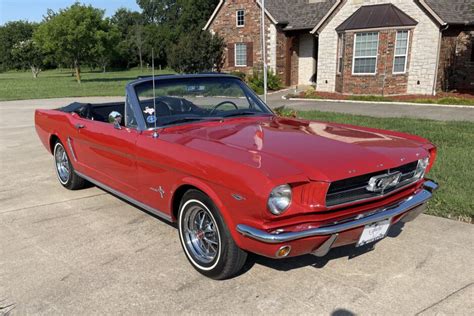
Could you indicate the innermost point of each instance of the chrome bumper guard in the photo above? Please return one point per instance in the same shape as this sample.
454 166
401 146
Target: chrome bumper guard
414 203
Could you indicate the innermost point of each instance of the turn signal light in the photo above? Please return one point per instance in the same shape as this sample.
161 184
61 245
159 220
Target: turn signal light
283 251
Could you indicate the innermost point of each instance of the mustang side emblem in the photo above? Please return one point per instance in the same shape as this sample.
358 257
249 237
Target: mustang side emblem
159 190
383 182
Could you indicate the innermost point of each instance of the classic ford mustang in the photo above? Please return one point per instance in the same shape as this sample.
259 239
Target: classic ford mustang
204 151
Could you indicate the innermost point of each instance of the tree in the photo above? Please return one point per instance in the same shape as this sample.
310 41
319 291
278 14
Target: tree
197 51
194 14
159 11
72 34
28 54
11 34
105 48
131 29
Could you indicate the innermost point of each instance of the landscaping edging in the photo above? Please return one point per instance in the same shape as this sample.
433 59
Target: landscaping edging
380 102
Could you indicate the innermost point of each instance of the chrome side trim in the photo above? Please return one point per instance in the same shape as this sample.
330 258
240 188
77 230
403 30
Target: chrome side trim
412 202
126 197
71 149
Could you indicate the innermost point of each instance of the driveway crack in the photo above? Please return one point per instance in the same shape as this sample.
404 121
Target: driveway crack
445 298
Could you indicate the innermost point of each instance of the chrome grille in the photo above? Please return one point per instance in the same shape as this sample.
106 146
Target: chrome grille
354 189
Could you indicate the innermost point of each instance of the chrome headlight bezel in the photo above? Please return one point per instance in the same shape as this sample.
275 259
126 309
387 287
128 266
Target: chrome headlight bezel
421 167
279 199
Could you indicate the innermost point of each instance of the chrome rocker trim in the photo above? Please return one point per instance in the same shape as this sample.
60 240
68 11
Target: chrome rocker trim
126 197
412 203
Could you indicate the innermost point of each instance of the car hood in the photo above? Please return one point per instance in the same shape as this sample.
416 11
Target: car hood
287 147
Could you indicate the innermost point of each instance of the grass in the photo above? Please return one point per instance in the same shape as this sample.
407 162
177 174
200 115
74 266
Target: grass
453 169
56 84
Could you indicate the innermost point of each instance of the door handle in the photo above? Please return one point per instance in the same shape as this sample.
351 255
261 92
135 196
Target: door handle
79 126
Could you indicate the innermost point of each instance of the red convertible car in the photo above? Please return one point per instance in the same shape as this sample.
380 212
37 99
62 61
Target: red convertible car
204 151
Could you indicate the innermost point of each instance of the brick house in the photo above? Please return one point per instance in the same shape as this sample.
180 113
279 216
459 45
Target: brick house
354 46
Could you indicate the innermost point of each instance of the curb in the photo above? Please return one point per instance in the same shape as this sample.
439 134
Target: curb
381 102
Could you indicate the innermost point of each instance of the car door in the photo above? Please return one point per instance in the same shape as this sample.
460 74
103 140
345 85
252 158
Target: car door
107 153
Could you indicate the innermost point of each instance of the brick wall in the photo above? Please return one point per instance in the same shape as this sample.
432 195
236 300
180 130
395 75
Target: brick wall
456 63
224 25
384 81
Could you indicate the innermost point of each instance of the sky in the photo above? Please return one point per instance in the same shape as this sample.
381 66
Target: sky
33 10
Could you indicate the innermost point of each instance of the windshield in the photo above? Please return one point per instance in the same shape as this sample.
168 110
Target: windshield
197 99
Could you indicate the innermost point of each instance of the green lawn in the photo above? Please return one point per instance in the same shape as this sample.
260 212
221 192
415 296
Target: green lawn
56 84
453 169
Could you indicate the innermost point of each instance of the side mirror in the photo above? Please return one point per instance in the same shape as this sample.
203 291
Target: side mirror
115 118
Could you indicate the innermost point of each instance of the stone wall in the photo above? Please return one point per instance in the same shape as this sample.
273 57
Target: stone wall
456 65
425 41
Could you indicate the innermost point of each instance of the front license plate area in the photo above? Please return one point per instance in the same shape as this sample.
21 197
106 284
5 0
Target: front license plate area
374 232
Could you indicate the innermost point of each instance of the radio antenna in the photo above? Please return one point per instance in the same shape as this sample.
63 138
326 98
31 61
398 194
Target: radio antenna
155 133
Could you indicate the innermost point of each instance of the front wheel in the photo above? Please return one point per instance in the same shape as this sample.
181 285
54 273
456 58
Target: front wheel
205 239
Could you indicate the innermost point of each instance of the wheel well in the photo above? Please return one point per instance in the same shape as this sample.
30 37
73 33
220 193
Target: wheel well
178 196
52 141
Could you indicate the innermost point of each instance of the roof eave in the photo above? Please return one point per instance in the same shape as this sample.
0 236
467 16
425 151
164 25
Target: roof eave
328 14
432 12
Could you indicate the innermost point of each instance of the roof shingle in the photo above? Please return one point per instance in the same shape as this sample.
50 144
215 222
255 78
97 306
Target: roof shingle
299 14
453 11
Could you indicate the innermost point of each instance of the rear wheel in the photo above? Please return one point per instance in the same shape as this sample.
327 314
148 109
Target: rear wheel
64 169
205 239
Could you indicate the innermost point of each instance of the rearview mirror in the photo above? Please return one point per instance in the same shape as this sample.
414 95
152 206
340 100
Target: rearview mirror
115 118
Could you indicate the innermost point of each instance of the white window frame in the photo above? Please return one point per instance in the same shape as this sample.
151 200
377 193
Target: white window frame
237 17
354 56
404 55
340 52
235 55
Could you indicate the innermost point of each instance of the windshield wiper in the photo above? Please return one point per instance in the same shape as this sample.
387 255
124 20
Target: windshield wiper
242 113
193 119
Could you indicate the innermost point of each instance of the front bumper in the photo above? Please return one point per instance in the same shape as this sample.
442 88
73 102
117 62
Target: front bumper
412 206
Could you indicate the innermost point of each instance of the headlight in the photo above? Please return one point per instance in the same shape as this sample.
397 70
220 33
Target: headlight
421 167
280 199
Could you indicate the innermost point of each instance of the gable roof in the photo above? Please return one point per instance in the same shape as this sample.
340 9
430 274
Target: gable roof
299 14
292 15
452 11
376 16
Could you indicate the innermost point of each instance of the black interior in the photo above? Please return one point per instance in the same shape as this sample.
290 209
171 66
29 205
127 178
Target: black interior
96 112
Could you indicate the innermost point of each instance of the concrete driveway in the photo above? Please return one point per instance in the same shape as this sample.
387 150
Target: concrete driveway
88 252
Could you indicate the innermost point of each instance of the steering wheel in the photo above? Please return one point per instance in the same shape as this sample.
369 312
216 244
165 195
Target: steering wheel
221 104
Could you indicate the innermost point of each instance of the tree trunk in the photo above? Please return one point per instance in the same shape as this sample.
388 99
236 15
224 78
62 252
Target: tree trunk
77 70
35 71
140 57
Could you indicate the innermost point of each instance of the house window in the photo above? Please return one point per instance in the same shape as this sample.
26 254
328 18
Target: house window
401 53
340 52
240 18
365 53
240 54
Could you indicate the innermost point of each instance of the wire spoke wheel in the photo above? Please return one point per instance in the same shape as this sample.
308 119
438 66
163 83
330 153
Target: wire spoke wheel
200 234
62 164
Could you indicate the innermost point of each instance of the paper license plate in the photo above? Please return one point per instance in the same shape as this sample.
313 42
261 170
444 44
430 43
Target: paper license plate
374 232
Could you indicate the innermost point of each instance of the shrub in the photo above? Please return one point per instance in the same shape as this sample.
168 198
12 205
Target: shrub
255 81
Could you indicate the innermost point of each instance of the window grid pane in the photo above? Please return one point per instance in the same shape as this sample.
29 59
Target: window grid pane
240 18
401 51
365 53
240 54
